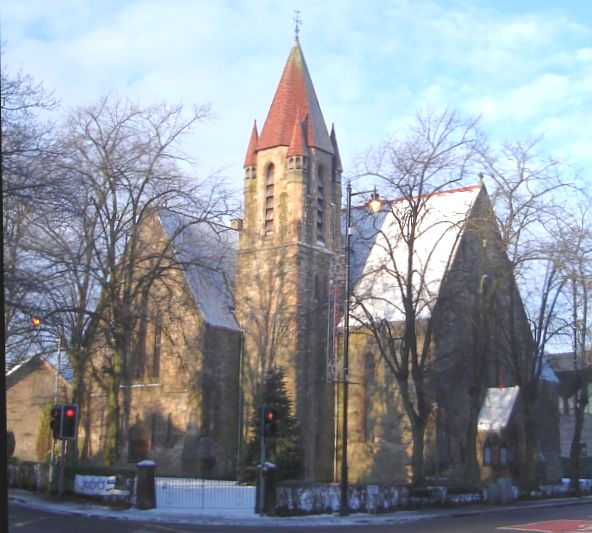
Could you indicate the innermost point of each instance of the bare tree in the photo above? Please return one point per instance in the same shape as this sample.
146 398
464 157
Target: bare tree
28 150
268 326
121 165
527 190
397 295
573 233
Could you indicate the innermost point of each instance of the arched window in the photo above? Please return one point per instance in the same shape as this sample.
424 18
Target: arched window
269 175
369 381
153 430
169 431
487 452
157 346
320 203
504 453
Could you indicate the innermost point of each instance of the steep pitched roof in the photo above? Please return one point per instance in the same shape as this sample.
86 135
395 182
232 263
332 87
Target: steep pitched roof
295 98
37 362
209 255
497 408
379 252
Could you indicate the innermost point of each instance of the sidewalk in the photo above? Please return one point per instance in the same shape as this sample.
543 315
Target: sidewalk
241 517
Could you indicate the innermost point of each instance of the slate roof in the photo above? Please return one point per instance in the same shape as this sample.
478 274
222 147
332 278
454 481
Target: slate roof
295 99
569 372
209 253
497 408
379 252
37 362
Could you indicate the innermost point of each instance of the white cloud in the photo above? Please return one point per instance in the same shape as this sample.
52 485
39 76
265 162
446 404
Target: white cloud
374 63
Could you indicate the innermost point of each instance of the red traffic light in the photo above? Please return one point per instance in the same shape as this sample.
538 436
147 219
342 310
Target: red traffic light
69 425
269 422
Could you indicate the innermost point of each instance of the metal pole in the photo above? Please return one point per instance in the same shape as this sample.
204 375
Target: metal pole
344 507
61 481
55 401
262 463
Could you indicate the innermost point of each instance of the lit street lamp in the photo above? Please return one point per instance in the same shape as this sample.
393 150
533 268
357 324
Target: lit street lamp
374 205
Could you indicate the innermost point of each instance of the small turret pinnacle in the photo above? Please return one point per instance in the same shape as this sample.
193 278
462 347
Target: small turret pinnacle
251 157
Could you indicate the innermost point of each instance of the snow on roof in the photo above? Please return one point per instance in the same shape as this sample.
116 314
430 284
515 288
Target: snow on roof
49 361
439 227
548 373
12 368
497 408
209 253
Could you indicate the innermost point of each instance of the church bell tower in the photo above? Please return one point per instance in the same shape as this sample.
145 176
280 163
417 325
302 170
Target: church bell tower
289 238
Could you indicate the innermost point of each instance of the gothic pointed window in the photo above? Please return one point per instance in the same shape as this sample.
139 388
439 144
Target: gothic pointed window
369 386
269 199
157 346
320 204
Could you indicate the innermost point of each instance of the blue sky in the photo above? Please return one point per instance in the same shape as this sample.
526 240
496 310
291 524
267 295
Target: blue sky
524 66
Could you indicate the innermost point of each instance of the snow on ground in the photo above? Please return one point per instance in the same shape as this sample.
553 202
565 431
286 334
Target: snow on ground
191 506
235 516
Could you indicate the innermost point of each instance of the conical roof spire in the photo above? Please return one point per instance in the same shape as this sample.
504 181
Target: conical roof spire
295 96
336 156
298 141
251 157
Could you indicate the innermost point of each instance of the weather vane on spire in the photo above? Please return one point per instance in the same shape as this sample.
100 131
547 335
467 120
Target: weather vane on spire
297 23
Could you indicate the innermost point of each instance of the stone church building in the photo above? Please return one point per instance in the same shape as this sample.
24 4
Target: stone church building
259 295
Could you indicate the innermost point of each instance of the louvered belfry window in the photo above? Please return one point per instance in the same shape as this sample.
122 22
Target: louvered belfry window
269 199
320 202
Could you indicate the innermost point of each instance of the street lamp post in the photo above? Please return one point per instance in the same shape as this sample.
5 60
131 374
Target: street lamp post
374 205
36 321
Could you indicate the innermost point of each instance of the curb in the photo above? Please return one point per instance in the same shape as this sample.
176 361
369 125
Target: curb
40 501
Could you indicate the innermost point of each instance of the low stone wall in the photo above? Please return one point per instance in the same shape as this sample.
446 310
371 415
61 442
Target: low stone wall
318 499
28 475
35 476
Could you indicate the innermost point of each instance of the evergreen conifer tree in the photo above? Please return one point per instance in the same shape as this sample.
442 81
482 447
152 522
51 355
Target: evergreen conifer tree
283 449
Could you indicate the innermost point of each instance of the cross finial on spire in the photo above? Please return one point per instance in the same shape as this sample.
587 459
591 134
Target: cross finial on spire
297 23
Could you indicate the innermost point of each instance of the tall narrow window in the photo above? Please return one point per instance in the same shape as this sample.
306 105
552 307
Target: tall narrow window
152 430
157 347
320 204
169 431
269 199
141 348
368 383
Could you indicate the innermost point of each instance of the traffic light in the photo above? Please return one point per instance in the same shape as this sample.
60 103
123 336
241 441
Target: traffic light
270 418
69 424
56 420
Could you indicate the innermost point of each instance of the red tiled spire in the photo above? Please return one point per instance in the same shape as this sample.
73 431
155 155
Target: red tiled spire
251 157
298 141
295 96
336 156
